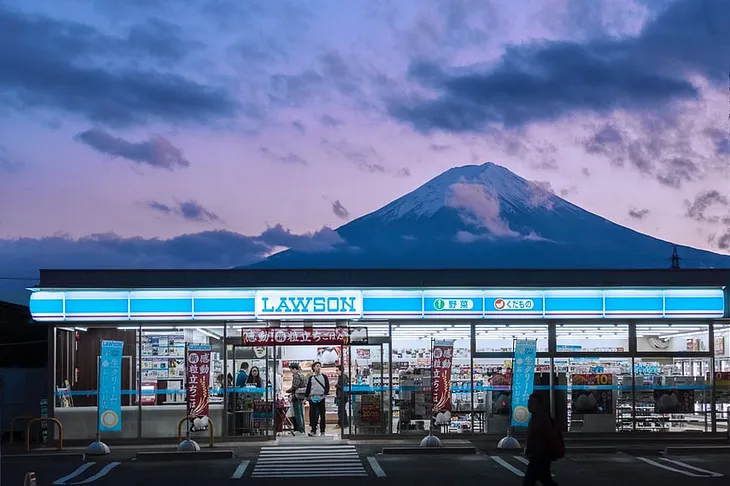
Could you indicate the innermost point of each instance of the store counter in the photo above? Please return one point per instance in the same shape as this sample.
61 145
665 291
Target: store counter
158 421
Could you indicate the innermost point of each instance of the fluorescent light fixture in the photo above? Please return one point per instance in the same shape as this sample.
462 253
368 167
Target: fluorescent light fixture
209 334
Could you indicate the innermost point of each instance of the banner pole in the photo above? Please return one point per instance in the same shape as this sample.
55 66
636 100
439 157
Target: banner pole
187 391
98 397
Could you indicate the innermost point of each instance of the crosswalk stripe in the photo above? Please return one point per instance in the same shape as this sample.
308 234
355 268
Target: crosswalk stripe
310 462
507 466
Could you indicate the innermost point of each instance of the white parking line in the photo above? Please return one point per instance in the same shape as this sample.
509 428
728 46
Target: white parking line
240 470
376 467
80 470
668 468
508 466
103 472
526 461
694 468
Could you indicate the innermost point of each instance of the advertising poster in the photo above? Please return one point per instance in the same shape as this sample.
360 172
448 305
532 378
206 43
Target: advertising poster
592 393
674 401
110 386
443 352
198 384
370 409
523 380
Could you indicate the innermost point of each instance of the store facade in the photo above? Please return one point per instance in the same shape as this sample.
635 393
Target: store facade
617 351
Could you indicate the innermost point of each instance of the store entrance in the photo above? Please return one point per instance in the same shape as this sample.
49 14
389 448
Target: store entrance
367 409
251 387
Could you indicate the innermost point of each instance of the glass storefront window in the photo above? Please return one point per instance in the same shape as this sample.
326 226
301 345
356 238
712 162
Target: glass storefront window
673 337
600 338
499 338
672 394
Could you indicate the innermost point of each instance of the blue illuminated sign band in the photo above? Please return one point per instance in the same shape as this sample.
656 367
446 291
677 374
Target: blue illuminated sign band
232 304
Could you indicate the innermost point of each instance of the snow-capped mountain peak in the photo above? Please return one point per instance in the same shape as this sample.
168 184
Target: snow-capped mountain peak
469 187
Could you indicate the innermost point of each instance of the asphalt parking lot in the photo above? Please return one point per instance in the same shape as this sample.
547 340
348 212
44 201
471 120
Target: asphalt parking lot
284 466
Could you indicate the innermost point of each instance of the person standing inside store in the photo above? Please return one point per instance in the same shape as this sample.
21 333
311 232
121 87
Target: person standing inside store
544 444
318 387
254 378
342 397
241 379
297 392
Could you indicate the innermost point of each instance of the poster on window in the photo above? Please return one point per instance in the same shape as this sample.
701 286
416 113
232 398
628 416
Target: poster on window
443 352
674 401
197 357
523 380
592 393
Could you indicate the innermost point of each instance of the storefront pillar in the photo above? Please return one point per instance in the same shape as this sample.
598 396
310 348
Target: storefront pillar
51 371
139 382
224 418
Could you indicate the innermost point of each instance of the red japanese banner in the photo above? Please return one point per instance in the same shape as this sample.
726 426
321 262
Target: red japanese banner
197 369
441 361
287 336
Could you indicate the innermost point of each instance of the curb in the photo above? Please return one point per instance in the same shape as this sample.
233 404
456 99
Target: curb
429 450
183 456
697 449
46 455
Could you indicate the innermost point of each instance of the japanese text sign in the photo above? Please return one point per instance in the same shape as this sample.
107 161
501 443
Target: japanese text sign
110 386
197 369
288 336
441 361
523 380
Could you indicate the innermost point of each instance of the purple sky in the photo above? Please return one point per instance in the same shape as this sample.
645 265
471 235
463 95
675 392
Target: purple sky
256 125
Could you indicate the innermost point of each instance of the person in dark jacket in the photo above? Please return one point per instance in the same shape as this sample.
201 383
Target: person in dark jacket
342 397
541 444
298 382
318 387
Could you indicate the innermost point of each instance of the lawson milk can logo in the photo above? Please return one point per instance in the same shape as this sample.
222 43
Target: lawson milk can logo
513 304
453 304
302 304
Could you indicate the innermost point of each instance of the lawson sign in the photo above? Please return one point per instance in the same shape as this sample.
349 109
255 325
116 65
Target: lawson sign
308 304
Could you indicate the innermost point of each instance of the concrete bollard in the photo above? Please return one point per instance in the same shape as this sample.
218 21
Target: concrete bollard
30 479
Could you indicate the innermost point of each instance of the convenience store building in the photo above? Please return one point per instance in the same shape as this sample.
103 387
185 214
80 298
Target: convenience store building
631 351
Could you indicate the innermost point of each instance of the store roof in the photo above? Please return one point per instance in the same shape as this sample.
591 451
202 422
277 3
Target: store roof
361 278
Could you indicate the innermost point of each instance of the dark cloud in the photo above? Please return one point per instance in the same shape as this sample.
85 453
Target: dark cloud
156 152
330 121
189 210
290 158
404 172
7 164
74 68
365 157
340 210
656 146
638 213
544 81
209 249
323 240
436 147
720 139
704 201
723 242
299 126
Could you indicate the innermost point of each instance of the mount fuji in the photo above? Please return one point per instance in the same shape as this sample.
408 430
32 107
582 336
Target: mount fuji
484 216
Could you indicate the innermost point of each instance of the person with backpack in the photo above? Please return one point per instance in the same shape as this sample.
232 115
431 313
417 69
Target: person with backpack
318 387
544 444
297 392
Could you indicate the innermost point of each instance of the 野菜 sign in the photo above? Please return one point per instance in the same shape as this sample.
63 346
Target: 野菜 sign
289 336
197 369
299 304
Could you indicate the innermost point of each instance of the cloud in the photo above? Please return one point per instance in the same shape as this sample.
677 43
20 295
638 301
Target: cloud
23 257
76 69
541 194
299 126
189 210
323 240
479 207
723 242
8 165
549 80
330 121
340 210
638 213
365 157
703 202
156 152
289 158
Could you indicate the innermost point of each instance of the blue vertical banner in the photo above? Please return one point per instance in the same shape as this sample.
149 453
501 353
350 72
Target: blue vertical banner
110 386
523 380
